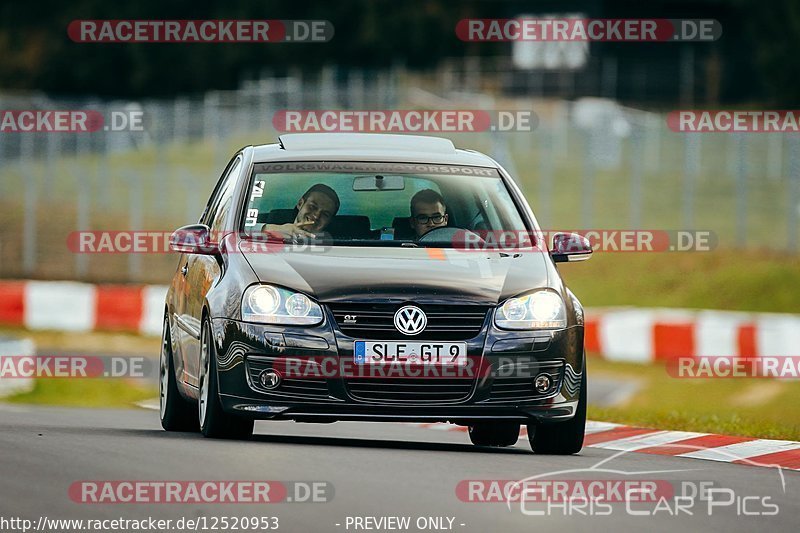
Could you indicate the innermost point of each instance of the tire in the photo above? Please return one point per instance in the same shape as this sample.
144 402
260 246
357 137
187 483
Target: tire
562 438
214 422
177 413
498 434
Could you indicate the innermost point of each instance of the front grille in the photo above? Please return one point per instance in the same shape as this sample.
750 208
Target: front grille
519 385
305 386
376 321
410 390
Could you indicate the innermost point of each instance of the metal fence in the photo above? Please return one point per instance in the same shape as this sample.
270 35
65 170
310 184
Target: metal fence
588 164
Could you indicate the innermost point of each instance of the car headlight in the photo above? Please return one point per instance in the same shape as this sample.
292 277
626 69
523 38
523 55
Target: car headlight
540 309
273 305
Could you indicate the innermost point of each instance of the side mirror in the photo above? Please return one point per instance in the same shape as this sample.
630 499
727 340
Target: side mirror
570 247
193 239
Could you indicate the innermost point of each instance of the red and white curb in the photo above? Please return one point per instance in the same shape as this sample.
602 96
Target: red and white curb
688 444
642 335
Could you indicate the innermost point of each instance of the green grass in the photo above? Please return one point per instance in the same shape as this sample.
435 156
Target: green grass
85 393
723 279
748 407
94 392
107 343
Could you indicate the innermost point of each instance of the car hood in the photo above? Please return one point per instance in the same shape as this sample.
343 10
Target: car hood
396 275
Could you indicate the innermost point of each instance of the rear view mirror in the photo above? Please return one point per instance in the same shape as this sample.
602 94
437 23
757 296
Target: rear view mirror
379 183
570 247
193 239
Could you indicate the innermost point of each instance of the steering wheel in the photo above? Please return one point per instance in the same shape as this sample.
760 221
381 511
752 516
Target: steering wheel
451 237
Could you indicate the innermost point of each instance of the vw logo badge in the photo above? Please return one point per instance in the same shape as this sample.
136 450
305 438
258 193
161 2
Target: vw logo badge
410 320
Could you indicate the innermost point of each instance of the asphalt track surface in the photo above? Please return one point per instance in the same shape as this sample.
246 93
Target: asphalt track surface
376 470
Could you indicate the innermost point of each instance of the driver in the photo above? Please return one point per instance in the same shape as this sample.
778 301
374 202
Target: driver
312 214
428 211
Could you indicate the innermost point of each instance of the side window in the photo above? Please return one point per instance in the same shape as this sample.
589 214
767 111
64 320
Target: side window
208 211
221 207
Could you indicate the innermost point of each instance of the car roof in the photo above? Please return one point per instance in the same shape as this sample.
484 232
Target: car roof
368 147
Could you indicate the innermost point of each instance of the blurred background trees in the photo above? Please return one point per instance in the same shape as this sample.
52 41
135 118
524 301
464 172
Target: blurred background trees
754 61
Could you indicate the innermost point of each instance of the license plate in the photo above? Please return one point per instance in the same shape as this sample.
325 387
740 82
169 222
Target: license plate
407 352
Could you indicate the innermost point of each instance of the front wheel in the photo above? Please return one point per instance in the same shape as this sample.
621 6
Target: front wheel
562 438
214 422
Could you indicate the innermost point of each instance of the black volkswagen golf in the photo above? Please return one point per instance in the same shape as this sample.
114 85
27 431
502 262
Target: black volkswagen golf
376 278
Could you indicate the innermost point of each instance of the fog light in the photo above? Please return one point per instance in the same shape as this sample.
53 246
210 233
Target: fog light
542 383
269 379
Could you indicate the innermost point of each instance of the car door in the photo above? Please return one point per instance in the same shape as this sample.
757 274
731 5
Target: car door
203 270
190 287
185 334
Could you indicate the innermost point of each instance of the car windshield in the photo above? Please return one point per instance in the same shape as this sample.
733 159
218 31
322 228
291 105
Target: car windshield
379 204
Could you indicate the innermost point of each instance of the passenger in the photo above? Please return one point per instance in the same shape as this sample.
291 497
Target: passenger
312 214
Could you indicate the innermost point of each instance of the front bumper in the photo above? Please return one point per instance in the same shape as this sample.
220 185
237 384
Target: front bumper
503 364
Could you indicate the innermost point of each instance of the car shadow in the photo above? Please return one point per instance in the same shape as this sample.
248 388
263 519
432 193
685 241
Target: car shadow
307 440
53 430
353 442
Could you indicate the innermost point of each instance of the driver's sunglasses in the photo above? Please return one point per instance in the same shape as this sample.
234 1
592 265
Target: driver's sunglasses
424 219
